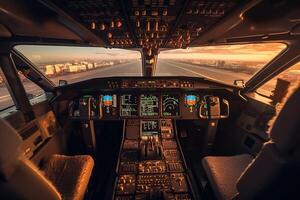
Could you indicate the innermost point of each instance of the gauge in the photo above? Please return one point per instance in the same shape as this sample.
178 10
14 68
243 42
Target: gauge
129 106
149 105
109 104
191 101
107 100
170 105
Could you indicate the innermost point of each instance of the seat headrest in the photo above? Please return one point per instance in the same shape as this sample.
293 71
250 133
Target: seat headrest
10 148
285 132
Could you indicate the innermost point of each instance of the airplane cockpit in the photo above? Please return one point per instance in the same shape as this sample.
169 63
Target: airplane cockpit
149 99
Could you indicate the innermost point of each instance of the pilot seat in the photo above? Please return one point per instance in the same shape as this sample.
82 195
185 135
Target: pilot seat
62 177
273 174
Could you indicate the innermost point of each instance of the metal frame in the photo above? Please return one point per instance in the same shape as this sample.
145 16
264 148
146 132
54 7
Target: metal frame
15 86
281 62
45 83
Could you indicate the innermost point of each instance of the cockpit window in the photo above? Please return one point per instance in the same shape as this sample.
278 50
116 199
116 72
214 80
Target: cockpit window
75 64
225 63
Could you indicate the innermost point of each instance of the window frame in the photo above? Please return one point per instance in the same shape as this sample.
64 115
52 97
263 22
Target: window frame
16 88
297 60
9 92
47 85
34 76
285 59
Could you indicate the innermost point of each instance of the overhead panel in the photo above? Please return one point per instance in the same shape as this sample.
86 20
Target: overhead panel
103 17
198 17
153 20
147 24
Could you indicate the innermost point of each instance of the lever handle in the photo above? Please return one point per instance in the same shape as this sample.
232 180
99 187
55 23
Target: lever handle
226 115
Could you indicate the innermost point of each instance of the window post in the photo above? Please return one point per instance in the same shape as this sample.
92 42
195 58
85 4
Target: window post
15 86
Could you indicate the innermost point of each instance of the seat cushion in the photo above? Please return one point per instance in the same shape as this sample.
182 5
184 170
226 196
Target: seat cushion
69 174
223 172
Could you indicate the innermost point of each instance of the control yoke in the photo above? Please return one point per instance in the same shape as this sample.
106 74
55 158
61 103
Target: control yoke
212 108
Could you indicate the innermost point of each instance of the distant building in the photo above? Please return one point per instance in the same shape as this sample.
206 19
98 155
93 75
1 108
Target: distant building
50 70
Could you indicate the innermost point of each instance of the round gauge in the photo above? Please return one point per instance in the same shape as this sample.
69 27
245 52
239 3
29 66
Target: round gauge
170 105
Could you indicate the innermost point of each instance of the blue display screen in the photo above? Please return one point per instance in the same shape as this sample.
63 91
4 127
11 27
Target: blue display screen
107 100
191 100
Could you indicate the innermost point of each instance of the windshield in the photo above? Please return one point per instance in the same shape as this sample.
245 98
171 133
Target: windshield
223 63
75 64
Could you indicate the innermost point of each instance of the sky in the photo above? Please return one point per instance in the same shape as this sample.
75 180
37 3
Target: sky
40 54
262 52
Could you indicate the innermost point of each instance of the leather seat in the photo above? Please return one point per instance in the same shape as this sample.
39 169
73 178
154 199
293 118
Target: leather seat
19 178
70 174
64 177
223 172
273 174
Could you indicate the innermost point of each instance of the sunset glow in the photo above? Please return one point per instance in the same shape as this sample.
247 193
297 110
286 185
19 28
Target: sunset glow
44 54
247 52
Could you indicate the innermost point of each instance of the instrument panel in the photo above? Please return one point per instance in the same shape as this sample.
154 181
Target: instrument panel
172 83
147 105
